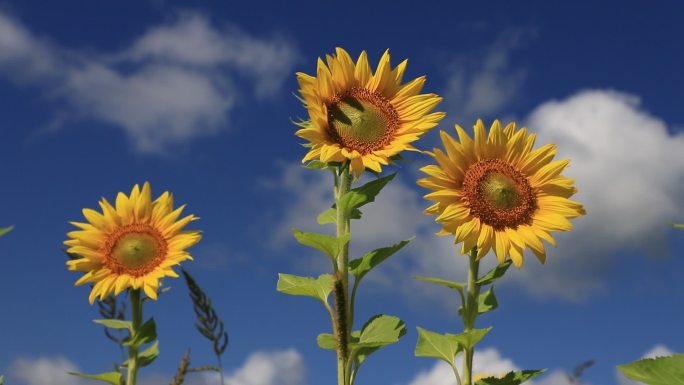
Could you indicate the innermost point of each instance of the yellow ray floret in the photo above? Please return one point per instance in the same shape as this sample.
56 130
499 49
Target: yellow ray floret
361 116
495 192
133 244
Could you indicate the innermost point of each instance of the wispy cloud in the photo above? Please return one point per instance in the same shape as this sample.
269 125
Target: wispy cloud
483 84
178 81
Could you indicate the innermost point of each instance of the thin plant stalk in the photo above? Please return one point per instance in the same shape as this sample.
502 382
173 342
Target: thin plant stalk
136 323
470 314
344 322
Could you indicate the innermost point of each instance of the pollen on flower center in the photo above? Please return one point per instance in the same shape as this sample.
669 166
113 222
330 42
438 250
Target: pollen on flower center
134 249
362 120
499 194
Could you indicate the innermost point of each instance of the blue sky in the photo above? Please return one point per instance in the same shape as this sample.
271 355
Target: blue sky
197 99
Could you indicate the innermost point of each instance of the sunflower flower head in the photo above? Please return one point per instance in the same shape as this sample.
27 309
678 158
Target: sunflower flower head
496 192
361 116
133 244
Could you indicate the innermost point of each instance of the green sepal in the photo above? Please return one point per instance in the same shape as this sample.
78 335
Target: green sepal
4 231
656 371
328 244
330 215
435 345
115 323
511 378
362 195
148 356
494 274
443 282
361 266
317 165
146 334
486 301
114 378
467 340
679 226
319 288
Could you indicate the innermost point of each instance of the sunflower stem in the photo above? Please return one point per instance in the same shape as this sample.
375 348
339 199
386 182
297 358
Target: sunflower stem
136 321
470 314
342 308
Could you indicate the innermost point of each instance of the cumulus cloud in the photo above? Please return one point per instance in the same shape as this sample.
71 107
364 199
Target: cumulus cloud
659 350
629 170
284 367
43 371
486 361
176 82
630 174
482 84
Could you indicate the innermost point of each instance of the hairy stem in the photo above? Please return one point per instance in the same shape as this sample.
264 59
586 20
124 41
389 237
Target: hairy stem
470 314
344 321
136 321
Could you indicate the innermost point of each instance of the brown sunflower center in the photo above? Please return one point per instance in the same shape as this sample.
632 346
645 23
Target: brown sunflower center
362 120
135 250
499 194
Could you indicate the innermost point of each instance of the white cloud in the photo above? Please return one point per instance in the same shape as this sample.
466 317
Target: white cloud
175 83
485 361
43 371
279 367
479 85
659 350
630 174
284 367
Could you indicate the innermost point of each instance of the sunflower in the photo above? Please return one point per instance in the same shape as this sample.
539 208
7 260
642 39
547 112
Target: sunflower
497 192
361 116
133 245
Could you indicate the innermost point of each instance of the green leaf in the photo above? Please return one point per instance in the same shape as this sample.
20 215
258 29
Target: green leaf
434 345
486 301
4 231
114 378
467 340
679 226
330 215
307 286
148 356
656 371
326 341
328 244
381 330
114 323
146 334
360 267
511 378
494 274
362 195
443 282
2 380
